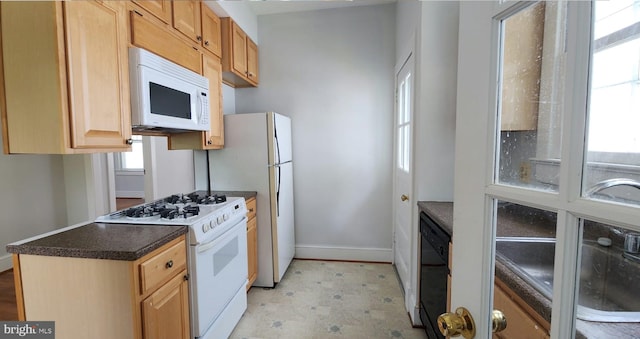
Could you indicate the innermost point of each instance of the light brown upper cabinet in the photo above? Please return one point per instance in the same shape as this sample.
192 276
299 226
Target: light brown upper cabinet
214 137
198 22
160 8
65 77
186 19
239 56
252 61
211 39
521 74
145 33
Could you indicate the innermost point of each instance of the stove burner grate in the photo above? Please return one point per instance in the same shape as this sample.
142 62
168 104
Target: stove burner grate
180 212
142 211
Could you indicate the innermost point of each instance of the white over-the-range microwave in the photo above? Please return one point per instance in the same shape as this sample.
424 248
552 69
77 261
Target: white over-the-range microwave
166 96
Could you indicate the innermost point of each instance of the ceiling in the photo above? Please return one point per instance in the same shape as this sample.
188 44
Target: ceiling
263 7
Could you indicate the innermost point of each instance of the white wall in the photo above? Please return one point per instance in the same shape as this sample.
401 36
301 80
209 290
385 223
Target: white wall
436 106
129 184
429 30
228 99
241 14
407 22
166 172
33 198
331 71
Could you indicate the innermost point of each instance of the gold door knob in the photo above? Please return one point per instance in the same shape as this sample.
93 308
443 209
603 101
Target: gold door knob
456 324
498 321
404 197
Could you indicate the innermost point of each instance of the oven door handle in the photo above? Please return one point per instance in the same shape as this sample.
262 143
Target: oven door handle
229 233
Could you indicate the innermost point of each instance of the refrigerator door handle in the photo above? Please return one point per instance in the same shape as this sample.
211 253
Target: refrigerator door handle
278 192
275 135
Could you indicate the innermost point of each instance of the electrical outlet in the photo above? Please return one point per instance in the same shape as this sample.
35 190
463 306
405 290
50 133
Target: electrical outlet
525 172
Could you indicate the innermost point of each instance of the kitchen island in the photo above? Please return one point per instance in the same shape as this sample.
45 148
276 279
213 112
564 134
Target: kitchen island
537 305
105 280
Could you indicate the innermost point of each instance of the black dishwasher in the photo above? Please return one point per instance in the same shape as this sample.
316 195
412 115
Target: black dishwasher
434 269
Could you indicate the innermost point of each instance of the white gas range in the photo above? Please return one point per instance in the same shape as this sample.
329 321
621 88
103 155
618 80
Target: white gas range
217 257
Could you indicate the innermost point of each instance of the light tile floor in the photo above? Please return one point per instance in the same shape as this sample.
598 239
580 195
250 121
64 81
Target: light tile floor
327 299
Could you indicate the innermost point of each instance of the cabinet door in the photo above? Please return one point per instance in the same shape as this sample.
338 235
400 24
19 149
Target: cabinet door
519 323
165 313
212 70
211 39
239 49
252 251
158 40
98 73
252 61
186 18
160 8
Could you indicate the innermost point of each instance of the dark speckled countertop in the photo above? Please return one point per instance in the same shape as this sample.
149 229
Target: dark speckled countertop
512 223
101 241
440 212
108 241
243 194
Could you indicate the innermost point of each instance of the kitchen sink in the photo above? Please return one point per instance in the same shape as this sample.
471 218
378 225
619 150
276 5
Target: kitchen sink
608 290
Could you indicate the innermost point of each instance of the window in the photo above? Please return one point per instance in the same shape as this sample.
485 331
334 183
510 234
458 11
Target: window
134 160
404 123
612 161
615 94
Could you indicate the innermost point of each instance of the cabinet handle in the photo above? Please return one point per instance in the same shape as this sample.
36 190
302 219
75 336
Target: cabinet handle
129 141
140 14
206 43
209 142
199 38
251 210
169 264
185 277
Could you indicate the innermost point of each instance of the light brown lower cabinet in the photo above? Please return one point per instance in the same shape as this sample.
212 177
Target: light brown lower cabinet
252 242
105 299
166 306
520 323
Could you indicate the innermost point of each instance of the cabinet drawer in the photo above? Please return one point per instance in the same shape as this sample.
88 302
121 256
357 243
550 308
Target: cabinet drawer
156 39
251 208
162 267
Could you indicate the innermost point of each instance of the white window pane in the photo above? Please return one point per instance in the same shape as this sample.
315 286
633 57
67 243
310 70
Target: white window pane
613 15
612 161
531 97
133 160
407 135
616 65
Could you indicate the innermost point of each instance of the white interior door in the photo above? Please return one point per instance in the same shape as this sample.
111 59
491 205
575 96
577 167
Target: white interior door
402 198
554 167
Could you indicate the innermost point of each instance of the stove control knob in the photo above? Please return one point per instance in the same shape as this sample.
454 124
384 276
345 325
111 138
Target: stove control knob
226 216
220 220
205 228
213 223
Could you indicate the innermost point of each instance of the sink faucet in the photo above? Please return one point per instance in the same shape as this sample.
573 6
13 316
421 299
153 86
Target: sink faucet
632 239
611 183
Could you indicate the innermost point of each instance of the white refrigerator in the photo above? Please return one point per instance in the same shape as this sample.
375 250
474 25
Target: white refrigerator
257 157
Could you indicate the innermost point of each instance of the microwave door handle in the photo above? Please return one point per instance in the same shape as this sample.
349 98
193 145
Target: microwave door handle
198 108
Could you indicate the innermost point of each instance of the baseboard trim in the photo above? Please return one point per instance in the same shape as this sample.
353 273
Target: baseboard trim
344 253
129 194
6 262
